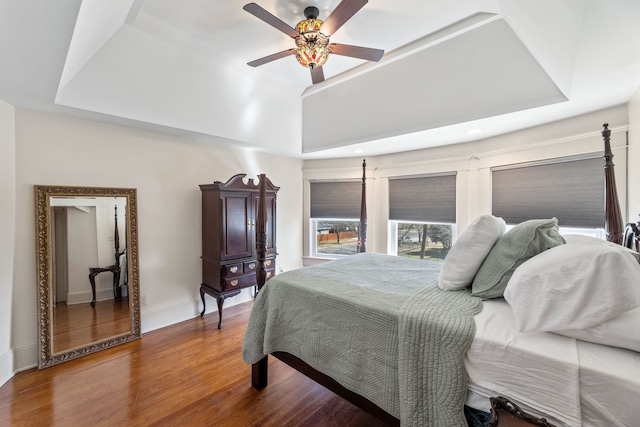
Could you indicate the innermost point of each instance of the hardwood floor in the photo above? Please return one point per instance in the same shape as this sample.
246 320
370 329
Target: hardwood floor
187 374
79 324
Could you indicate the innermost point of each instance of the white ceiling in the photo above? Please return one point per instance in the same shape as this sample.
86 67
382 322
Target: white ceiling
180 67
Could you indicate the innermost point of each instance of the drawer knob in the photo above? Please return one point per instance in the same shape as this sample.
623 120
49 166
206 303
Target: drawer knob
234 282
234 269
252 265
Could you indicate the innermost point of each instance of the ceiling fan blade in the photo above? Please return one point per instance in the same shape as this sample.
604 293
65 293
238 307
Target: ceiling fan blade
272 57
270 19
341 14
356 51
317 75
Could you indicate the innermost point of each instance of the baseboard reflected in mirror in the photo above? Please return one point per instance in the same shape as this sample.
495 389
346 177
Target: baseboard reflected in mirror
81 312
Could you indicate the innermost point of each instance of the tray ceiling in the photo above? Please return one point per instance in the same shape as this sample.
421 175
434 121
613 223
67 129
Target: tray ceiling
180 67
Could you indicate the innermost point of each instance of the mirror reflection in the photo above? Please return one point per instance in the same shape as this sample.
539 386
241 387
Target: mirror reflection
87 270
83 235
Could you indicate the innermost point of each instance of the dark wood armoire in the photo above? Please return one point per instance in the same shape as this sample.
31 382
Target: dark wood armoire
229 239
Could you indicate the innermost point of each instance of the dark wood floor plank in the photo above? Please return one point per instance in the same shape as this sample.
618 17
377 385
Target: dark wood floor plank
191 373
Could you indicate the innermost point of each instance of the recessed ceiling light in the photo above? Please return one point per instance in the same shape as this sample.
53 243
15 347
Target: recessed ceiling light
358 151
473 131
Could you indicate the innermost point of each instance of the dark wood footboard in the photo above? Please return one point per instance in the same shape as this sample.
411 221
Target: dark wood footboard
259 374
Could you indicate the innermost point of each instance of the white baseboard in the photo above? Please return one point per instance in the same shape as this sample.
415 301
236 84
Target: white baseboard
18 359
25 356
159 317
6 366
87 296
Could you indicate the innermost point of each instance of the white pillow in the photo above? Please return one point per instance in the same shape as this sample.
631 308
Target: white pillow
580 238
621 331
467 253
573 286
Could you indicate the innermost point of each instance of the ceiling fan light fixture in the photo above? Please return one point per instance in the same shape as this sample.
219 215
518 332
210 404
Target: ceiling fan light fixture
311 36
312 47
313 51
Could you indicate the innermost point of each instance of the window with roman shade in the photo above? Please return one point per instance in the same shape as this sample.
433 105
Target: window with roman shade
425 198
570 189
335 217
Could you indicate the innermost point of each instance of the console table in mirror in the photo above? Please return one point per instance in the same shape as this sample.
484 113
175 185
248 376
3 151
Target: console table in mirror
79 311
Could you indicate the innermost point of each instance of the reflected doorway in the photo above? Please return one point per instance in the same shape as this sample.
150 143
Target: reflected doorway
60 255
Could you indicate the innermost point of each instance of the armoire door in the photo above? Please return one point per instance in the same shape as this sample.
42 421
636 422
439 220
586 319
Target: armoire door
237 225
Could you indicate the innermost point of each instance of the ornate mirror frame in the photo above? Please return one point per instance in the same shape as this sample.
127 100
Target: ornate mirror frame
43 194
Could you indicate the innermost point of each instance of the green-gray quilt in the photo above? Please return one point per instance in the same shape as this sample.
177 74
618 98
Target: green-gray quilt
380 326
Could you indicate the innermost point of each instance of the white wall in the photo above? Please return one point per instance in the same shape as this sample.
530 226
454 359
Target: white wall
472 162
82 245
166 171
633 213
7 236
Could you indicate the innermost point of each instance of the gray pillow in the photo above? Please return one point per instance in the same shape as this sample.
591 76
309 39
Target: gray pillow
517 245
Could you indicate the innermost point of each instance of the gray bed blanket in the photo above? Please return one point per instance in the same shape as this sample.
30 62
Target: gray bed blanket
379 325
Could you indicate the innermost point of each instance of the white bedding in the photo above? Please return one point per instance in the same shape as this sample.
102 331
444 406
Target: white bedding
573 383
610 381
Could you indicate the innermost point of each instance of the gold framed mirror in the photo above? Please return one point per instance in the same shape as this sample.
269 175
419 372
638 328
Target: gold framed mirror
87 270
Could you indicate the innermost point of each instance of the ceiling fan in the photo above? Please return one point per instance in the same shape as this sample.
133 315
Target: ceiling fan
311 36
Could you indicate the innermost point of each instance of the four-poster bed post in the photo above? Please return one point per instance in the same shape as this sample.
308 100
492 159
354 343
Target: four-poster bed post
259 371
362 235
613 217
261 233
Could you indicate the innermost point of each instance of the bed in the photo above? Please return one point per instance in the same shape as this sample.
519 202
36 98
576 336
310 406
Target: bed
360 326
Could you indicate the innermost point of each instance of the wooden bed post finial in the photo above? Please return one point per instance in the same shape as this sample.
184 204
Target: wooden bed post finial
261 232
613 217
362 235
606 136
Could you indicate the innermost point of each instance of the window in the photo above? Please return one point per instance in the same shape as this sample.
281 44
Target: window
570 189
410 239
422 213
336 237
335 217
